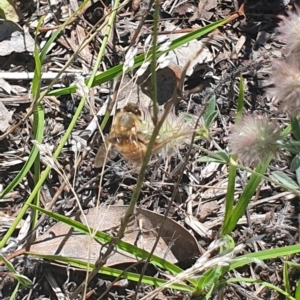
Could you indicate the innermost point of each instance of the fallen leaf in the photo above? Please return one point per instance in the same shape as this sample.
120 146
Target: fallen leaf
142 231
167 80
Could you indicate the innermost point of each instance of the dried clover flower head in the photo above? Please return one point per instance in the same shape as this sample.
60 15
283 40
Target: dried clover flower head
254 139
174 132
289 31
286 78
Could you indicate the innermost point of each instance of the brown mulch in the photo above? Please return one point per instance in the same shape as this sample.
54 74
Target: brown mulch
244 47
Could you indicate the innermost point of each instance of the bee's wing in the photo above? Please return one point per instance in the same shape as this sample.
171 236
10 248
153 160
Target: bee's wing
104 151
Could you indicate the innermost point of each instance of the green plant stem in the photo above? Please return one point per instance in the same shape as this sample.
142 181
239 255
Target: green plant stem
153 64
38 134
43 175
89 85
55 155
264 283
240 101
38 121
229 199
268 179
132 204
234 163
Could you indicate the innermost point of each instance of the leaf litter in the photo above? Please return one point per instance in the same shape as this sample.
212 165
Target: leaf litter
245 47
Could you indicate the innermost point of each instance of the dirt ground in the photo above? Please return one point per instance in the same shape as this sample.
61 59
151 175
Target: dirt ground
244 47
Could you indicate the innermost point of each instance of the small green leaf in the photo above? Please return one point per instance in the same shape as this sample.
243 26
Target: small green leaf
295 164
203 133
284 179
222 155
23 280
8 265
205 280
210 112
218 156
206 159
211 118
295 128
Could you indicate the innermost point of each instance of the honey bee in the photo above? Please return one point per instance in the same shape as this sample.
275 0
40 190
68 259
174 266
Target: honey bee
125 136
131 131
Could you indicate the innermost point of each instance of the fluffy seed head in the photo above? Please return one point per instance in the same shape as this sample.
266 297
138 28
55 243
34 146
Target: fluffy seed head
289 31
286 78
254 139
174 132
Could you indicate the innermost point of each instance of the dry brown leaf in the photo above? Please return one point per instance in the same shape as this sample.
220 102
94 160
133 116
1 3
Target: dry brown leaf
167 79
142 231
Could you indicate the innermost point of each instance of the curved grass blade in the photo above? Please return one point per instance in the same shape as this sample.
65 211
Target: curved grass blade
264 283
114 272
118 70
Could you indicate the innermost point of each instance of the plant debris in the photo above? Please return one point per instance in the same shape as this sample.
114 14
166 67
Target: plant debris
243 48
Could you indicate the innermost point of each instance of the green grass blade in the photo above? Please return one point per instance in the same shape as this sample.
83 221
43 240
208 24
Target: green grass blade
33 154
118 70
264 283
297 293
105 238
14 294
264 255
240 208
205 280
240 102
38 128
55 34
229 200
114 272
36 82
22 173
43 175
286 281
